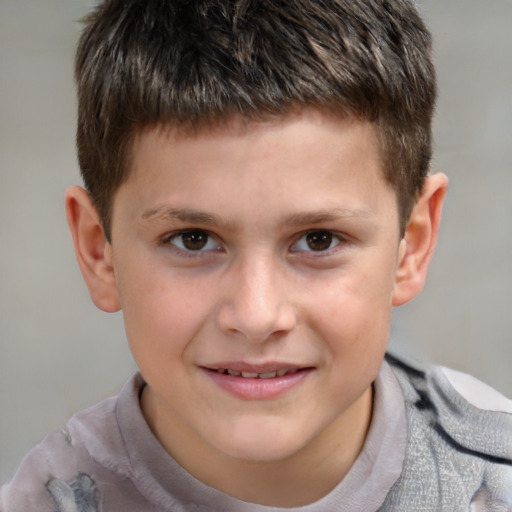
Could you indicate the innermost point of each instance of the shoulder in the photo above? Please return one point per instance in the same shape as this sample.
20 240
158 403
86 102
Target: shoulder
55 460
459 386
65 465
459 442
477 393
470 413
27 490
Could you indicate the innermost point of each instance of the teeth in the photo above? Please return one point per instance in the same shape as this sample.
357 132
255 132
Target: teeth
254 375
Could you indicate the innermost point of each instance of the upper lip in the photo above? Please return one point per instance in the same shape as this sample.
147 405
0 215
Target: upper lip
240 366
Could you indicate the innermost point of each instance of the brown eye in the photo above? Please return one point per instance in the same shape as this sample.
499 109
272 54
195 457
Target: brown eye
193 240
319 240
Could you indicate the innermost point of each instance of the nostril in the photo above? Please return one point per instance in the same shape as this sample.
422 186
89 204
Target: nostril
256 324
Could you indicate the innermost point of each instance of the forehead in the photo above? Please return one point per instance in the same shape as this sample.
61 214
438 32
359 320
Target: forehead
281 134
304 157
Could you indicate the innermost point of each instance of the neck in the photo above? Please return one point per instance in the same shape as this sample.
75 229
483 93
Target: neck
298 480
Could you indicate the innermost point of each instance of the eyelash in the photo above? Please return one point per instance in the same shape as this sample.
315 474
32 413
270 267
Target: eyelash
331 237
170 238
323 236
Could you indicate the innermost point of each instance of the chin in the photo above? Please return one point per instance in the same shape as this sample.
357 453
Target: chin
261 441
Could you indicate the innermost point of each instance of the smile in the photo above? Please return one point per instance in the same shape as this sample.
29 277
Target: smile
255 375
257 383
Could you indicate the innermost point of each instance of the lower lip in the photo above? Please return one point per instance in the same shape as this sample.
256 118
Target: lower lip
257 389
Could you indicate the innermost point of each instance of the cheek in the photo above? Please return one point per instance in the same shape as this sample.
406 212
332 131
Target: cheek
352 313
163 310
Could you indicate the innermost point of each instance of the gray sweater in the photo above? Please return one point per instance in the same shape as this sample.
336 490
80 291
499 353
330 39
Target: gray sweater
440 441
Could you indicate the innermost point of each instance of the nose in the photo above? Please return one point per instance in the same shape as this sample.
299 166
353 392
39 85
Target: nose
256 305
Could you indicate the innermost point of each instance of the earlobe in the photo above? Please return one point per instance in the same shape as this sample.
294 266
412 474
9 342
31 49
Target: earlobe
93 251
419 241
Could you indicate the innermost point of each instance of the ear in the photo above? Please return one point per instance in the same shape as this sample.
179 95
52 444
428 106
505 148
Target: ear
93 251
419 241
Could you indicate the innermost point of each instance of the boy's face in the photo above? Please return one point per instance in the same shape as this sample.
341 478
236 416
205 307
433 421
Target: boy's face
263 248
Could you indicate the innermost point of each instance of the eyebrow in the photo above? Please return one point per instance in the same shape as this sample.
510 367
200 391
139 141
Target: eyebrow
318 217
192 216
182 214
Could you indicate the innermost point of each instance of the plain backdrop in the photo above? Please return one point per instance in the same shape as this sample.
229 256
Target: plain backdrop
59 354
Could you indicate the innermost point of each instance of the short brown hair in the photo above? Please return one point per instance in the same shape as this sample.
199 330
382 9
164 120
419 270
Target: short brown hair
191 63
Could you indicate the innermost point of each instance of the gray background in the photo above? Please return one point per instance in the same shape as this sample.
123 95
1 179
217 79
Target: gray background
59 354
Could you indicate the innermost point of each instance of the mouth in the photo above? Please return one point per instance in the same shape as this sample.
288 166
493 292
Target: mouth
261 382
256 375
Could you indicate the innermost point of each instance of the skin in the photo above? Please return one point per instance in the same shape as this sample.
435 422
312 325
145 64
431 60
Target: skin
262 290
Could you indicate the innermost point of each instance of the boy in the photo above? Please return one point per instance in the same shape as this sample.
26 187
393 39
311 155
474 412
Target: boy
257 201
